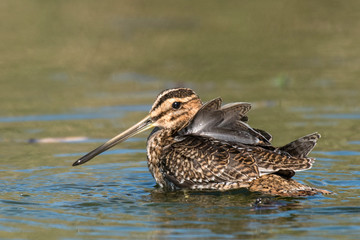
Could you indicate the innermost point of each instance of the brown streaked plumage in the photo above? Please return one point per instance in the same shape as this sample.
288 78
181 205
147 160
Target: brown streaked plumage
211 147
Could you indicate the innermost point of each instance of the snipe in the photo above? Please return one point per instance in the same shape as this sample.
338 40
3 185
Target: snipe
211 147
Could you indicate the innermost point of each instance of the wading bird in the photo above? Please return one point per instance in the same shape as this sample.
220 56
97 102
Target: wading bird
212 147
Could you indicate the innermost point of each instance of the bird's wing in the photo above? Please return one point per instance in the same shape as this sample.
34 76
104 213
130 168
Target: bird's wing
269 161
204 163
227 123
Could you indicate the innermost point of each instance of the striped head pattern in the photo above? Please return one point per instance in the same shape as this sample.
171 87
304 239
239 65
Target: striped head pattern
174 108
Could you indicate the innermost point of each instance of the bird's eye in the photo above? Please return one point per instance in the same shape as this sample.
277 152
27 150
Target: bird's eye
176 105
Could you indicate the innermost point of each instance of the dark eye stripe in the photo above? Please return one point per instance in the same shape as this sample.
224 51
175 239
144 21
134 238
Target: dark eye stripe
161 114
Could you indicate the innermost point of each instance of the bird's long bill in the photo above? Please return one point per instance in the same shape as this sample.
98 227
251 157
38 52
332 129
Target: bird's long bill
141 126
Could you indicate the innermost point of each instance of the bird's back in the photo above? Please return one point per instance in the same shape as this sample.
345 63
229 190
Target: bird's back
200 162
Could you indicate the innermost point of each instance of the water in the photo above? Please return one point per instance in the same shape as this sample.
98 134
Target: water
74 74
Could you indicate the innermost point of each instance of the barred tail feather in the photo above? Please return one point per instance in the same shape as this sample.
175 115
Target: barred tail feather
270 162
301 147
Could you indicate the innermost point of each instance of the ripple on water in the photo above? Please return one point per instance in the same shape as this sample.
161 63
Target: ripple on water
338 153
119 199
108 152
107 112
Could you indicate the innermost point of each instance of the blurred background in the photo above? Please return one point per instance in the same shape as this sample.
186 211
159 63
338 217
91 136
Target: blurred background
58 56
86 70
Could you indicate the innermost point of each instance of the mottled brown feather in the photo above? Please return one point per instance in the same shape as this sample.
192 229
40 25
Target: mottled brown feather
276 185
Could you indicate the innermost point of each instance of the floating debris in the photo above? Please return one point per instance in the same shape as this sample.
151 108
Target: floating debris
58 140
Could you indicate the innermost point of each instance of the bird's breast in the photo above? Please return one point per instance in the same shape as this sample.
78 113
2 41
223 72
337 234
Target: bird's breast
157 142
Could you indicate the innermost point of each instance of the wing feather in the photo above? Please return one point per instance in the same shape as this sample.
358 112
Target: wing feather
196 161
227 123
